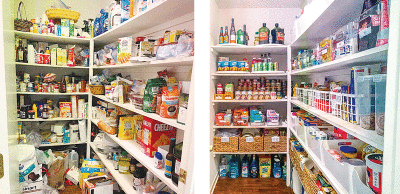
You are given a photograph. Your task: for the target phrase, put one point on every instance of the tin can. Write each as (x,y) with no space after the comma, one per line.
(51,87)
(276,66)
(265,66)
(22,86)
(56,88)
(45,87)
(39,58)
(69,88)
(30,87)
(238,95)
(40,87)
(249,95)
(73,88)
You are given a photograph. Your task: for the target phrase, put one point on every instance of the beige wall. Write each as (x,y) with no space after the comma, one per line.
(87,8)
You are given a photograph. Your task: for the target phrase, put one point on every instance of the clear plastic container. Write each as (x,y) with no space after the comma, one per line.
(73,159)
(380,95)
(366,101)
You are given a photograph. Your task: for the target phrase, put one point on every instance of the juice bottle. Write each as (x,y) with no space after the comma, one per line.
(240,37)
(226,36)
(256,39)
(233,33)
(264,34)
(221,36)
(254,65)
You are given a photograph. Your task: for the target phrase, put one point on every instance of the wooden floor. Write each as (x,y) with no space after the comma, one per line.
(253,186)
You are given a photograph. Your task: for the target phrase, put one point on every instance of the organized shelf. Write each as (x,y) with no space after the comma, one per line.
(248,101)
(266,74)
(172,62)
(250,50)
(250,126)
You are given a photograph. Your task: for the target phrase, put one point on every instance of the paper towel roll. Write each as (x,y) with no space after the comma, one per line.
(82,130)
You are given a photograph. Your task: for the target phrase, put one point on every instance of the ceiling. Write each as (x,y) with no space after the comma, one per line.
(229,4)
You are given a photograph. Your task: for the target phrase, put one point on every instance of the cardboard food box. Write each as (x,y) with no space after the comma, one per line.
(124,50)
(90,167)
(155,134)
(98,184)
(65,109)
(241,117)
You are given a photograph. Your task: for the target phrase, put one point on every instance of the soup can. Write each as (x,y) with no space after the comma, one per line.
(374,172)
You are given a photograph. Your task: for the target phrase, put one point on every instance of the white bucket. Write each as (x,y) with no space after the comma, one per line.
(374,172)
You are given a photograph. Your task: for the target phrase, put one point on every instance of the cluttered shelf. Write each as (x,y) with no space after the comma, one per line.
(124,180)
(128,106)
(183,61)
(49,120)
(51,38)
(50,93)
(61,144)
(368,136)
(157,14)
(249,101)
(50,66)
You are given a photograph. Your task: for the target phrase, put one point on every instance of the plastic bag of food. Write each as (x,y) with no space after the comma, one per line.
(165,52)
(34,138)
(50,77)
(107,128)
(184,46)
(126,128)
(71,57)
(169,104)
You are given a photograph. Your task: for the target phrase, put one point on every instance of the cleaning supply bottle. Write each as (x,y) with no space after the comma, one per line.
(34,108)
(245,167)
(234,168)
(254,167)
(73,159)
(284,172)
(223,168)
(277,171)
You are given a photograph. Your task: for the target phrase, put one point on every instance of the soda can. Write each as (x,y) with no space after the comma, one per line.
(265,66)
(56,88)
(276,66)
(45,87)
(51,88)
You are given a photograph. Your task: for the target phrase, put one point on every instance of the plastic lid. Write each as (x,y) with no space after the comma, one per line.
(276,24)
(158,155)
(124,153)
(348,149)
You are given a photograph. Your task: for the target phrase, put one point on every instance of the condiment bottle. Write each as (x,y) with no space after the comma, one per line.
(221,36)
(226,36)
(170,159)
(139,176)
(264,34)
(233,33)
(45,112)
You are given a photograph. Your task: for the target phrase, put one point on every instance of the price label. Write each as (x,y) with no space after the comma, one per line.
(249,139)
(275,139)
(224,139)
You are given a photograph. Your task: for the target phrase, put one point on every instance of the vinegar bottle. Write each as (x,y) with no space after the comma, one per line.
(233,33)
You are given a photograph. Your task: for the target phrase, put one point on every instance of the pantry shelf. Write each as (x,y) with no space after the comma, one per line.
(332,180)
(159,14)
(248,101)
(250,50)
(61,144)
(377,54)
(51,38)
(327,22)
(50,66)
(242,153)
(136,151)
(249,75)
(250,127)
(53,94)
(125,181)
(367,136)
(154,116)
(49,120)
(184,61)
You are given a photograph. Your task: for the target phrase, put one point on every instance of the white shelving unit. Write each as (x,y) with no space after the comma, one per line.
(249,50)
(51,38)
(248,101)
(184,61)
(50,66)
(60,144)
(53,94)
(53,119)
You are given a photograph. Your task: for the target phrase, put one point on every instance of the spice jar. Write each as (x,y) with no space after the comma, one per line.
(158,160)
(31,114)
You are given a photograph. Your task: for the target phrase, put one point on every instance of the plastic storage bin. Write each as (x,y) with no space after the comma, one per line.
(380,96)
(366,101)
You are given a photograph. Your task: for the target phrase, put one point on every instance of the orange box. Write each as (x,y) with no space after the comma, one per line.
(65,109)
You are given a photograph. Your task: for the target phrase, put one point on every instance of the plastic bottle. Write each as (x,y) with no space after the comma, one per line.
(245,167)
(240,36)
(277,171)
(256,39)
(226,36)
(223,168)
(254,168)
(234,168)
(73,159)
(264,34)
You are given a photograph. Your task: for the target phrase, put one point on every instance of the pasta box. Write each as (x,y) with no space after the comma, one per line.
(155,134)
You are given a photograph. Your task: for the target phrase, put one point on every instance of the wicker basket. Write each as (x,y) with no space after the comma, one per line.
(279,146)
(63,14)
(253,146)
(231,146)
(21,24)
(97,89)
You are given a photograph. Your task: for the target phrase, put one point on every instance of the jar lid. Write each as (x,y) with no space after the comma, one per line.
(348,149)
(158,155)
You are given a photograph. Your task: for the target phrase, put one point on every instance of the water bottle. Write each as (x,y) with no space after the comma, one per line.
(73,159)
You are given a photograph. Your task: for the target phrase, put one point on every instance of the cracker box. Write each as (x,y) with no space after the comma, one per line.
(155,134)
(65,109)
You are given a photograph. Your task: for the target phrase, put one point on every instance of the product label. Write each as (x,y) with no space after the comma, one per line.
(177,167)
(275,139)
(123,169)
(168,167)
(233,39)
(20,55)
(224,139)
(226,39)
(249,139)
(263,36)
(279,36)
(245,171)
(221,40)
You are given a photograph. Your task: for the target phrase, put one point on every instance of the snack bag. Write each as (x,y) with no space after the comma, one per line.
(265,166)
(169,104)
(126,128)
(150,94)
(138,130)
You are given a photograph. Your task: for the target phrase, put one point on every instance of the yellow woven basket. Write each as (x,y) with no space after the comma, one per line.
(97,89)
(63,14)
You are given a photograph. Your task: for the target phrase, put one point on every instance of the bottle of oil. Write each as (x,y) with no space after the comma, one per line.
(170,159)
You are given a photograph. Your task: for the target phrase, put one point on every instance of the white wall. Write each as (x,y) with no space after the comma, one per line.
(87,8)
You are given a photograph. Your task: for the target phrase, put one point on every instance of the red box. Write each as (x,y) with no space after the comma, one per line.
(155,134)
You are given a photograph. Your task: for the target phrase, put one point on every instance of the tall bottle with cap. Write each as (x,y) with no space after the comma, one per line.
(263,33)
(170,159)
(233,33)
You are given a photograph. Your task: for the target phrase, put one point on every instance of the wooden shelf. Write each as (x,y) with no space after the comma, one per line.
(60,144)
(51,38)
(250,50)
(53,94)
(49,66)
(367,136)
(154,116)
(377,54)
(159,14)
(125,181)
(184,61)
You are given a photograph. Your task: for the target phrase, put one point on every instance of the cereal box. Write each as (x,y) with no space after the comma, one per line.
(65,109)
(138,128)
(124,50)
(155,134)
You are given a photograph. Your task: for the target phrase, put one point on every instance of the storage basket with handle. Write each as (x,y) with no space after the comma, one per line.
(97,89)
(57,13)
(20,24)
